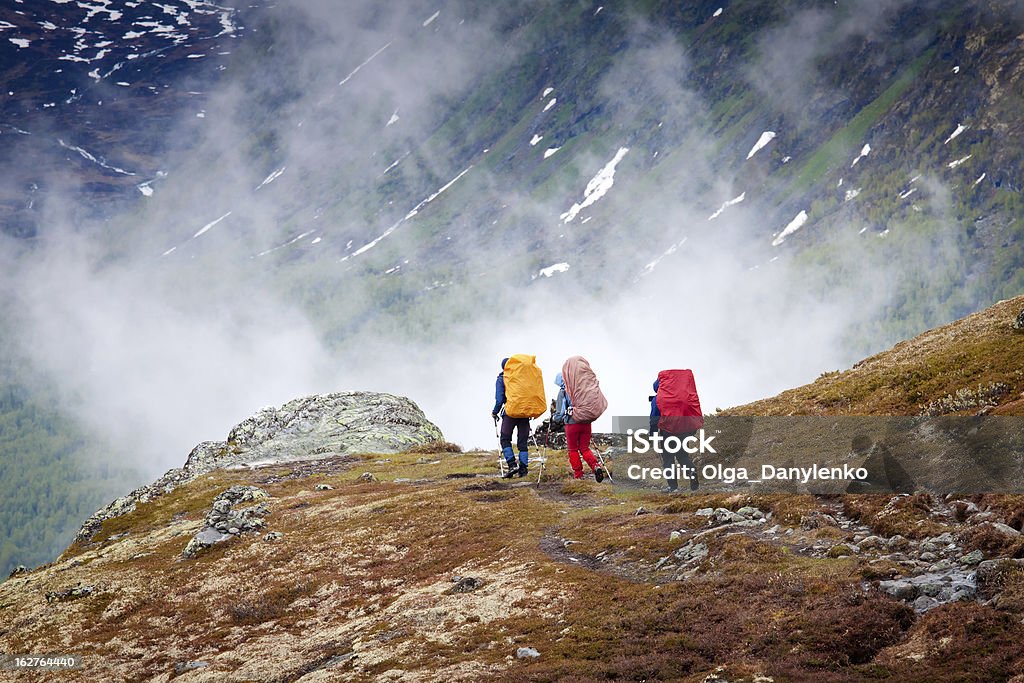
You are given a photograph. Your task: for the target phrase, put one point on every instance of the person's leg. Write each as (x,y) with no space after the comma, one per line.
(686,461)
(523,440)
(588,455)
(507,424)
(572,443)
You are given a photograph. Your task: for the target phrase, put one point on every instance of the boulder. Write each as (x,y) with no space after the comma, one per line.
(310,428)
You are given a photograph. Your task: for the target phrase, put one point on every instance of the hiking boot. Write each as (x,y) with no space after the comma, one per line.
(510,470)
(523,470)
(598,474)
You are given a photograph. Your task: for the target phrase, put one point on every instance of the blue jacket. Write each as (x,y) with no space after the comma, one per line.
(499,389)
(562,403)
(655,413)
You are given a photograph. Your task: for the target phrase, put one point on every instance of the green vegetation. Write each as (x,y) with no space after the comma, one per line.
(52,477)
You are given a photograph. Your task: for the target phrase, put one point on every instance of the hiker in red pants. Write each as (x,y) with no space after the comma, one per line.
(581,400)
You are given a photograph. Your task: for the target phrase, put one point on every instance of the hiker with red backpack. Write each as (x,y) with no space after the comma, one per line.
(581,400)
(675,411)
(518,398)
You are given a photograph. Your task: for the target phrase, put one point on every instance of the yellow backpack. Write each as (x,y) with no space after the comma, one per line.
(524,387)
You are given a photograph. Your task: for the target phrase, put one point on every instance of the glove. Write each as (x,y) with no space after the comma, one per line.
(494,416)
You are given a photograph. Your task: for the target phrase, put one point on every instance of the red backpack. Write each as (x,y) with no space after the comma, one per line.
(678,402)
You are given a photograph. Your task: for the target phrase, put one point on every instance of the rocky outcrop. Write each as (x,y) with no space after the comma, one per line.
(226,521)
(309,428)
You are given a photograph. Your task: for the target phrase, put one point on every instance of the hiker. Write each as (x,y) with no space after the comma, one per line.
(518,398)
(675,411)
(581,402)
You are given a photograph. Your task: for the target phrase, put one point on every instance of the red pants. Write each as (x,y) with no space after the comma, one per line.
(577,438)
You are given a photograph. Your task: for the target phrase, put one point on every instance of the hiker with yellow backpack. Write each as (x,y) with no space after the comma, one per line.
(518,398)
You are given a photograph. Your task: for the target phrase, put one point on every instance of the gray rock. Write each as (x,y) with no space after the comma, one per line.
(1005,528)
(367,476)
(527,653)
(871,543)
(273,536)
(723,516)
(182,667)
(923,603)
(324,487)
(20,569)
(465,584)
(308,428)
(972,558)
(224,522)
(898,542)
(928,557)
(640,511)
(674,536)
(705,512)
(816,520)
(899,589)
(1018,322)
(941,566)
(67,594)
(943,539)
(691,552)
(750,512)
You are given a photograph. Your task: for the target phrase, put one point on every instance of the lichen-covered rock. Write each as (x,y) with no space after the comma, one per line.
(308,428)
(1018,323)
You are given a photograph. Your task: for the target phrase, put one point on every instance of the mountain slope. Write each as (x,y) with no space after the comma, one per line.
(423,566)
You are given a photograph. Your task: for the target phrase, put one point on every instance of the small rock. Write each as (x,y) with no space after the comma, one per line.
(182,667)
(972,558)
(871,543)
(674,536)
(750,512)
(943,539)
(898,542)
(816,520)
(692,552)
(527,653)
(234,531)
(1018,323)
(705,512)
(941,566)
(724,516)
(899,589)
(928,557)
(273,536)
(20,569)
(1005,528)
(465,584)
(73,593)
(660,563)
(366,476)
(923,603)
(640,511)
(324,487)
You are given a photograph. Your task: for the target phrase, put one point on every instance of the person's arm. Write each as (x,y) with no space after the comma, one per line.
(499,394)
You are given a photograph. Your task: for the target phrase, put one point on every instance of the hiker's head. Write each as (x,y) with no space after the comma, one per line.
(559,382)
(503,361)
(656,383)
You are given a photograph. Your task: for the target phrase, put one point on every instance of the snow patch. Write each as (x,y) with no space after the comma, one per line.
(952,136)
(765,138)
(597,187)
(367,61)
(209,225)
(864,151)
(794,225)
(550,150)
(907,193)
(430,20)
(718,12)
(536,139)
(22,43)
(272,177)
(551,270)
(954,164)
(726,205)
(393,119)
(550,104)
(90,157)
(980,178)
(547,91)
(851,194)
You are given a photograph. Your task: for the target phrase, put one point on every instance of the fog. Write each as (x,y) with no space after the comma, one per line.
(160,334)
